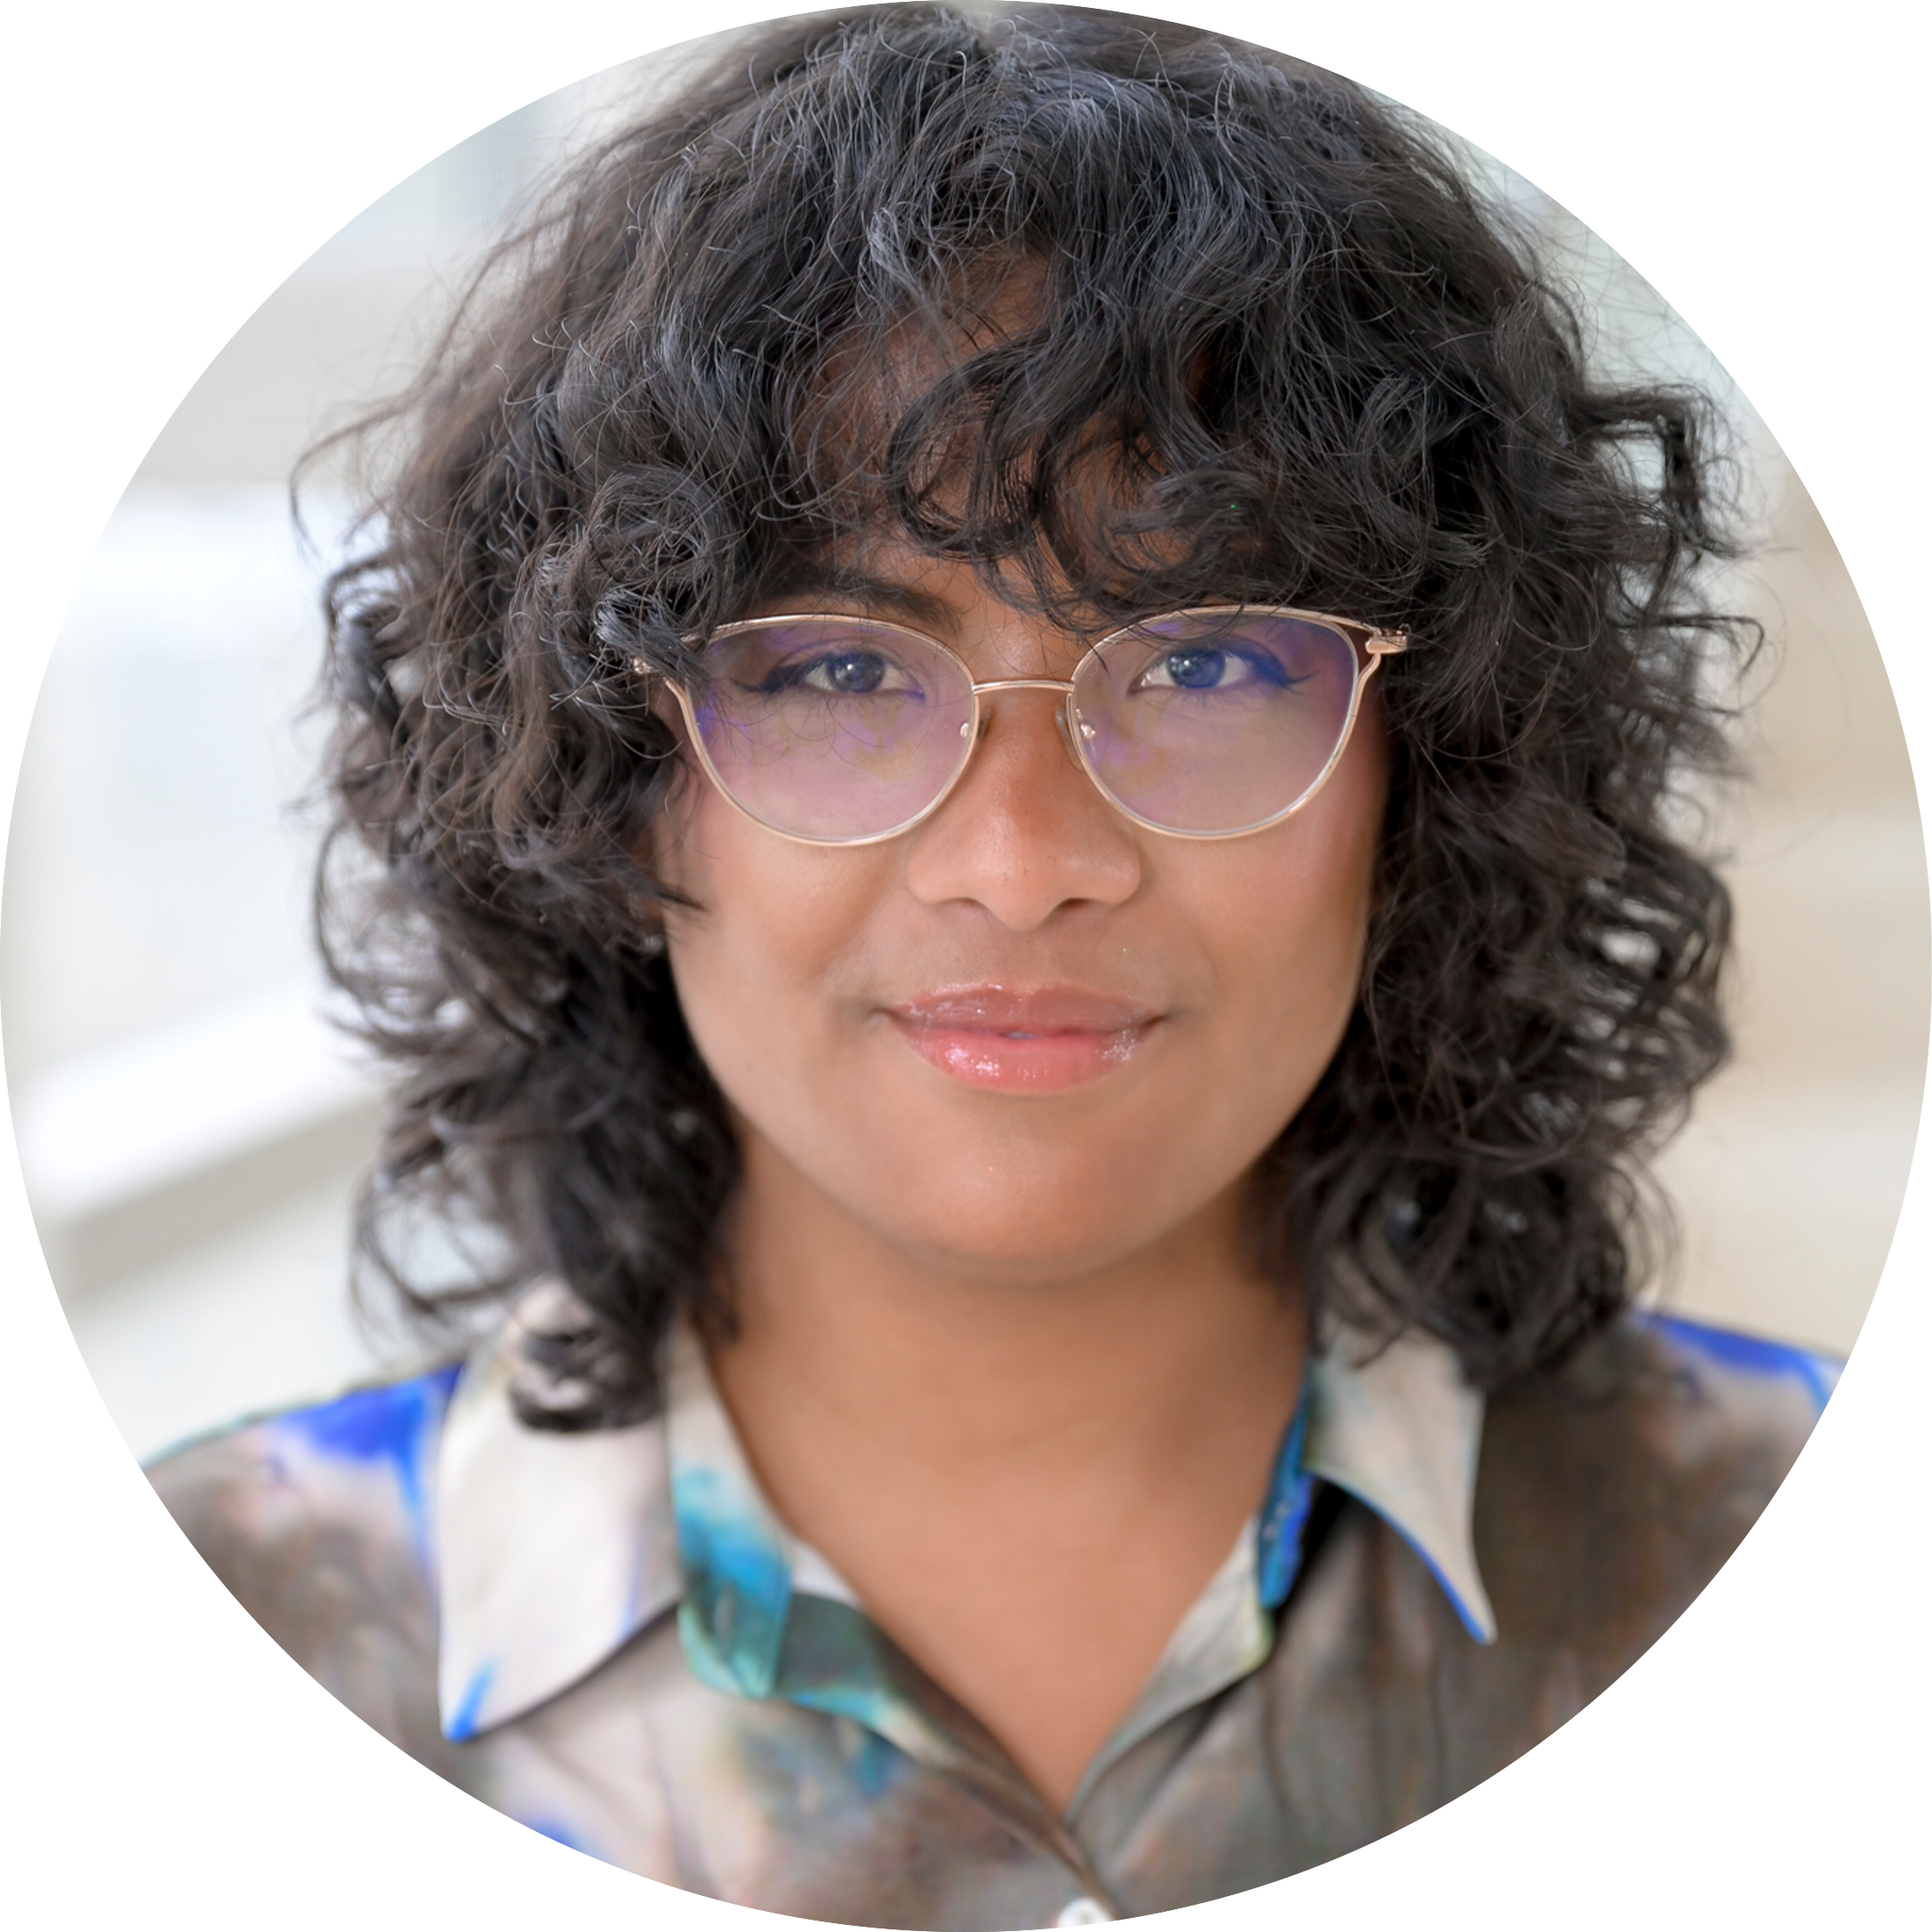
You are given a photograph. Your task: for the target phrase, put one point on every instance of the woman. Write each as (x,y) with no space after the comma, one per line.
(1019,707)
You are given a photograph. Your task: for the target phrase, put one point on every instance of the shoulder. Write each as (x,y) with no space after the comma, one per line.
(318,1519)
(273,1492)
(1612,1491)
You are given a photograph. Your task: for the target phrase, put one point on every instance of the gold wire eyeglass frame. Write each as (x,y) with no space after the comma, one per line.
(1369,645)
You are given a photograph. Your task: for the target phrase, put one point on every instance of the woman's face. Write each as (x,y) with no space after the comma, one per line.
(1027,1039)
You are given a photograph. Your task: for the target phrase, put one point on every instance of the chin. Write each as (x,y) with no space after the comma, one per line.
(1021,1247)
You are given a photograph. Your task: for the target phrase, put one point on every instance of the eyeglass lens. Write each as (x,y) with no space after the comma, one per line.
(1203,722)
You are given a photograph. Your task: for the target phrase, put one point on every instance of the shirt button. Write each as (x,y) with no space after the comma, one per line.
(1085,1911)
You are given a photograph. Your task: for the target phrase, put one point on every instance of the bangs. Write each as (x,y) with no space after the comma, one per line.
(952,429)
(1119,319)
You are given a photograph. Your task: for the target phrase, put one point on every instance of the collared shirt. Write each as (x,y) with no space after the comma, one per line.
(611,1636)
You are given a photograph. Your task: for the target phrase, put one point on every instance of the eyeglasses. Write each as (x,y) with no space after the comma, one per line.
(1209,722)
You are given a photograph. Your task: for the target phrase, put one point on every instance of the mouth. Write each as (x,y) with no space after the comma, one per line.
(1042,1041)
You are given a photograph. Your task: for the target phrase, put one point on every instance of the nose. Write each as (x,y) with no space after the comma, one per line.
(1025,832)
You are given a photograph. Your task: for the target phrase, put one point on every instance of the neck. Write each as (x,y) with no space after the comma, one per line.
(1083,1439)
(942,1359)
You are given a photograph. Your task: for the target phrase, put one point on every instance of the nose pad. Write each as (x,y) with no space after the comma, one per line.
(1060,719)
(1063,716)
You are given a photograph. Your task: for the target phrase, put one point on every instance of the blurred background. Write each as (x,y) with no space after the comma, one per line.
(191,1128)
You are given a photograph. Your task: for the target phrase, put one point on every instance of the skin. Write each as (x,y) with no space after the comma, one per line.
(1001,1356)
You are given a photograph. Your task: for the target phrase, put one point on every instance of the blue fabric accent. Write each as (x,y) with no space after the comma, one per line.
(395,1422)
(1465,1615)
(875,1763)
(707,1663)
(837,1660)
(462,1724)
(1750,1354)
(737,1586)
(1285,1515)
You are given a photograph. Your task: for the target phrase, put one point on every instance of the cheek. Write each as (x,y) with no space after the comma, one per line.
(1284,919)
(1286,959)
(769,922)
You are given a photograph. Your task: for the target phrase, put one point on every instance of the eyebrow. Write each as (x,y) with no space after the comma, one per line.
(872,595)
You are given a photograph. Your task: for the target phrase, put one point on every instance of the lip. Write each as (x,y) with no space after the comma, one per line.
(1039,1040)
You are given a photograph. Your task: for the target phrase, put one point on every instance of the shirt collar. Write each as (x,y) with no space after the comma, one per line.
(554,1550)
(1399,1428)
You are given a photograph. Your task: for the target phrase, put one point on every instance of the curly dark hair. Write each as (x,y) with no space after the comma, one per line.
(1316,365)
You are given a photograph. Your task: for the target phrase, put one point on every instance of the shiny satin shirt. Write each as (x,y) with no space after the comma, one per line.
(612,1637)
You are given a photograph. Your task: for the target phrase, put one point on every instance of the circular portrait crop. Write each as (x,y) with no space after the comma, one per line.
(1039,846)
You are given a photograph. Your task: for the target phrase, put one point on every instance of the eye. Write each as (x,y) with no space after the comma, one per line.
(1214,667)
(846,672)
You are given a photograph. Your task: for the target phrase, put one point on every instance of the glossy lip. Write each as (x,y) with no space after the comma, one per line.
(1038,1041)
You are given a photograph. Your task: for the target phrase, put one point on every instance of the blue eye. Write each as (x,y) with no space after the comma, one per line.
(1212,667)
(837,673)
(852,671)
(1196,670)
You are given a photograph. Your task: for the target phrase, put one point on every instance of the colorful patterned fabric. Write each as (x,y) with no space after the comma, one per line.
(612,1637)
